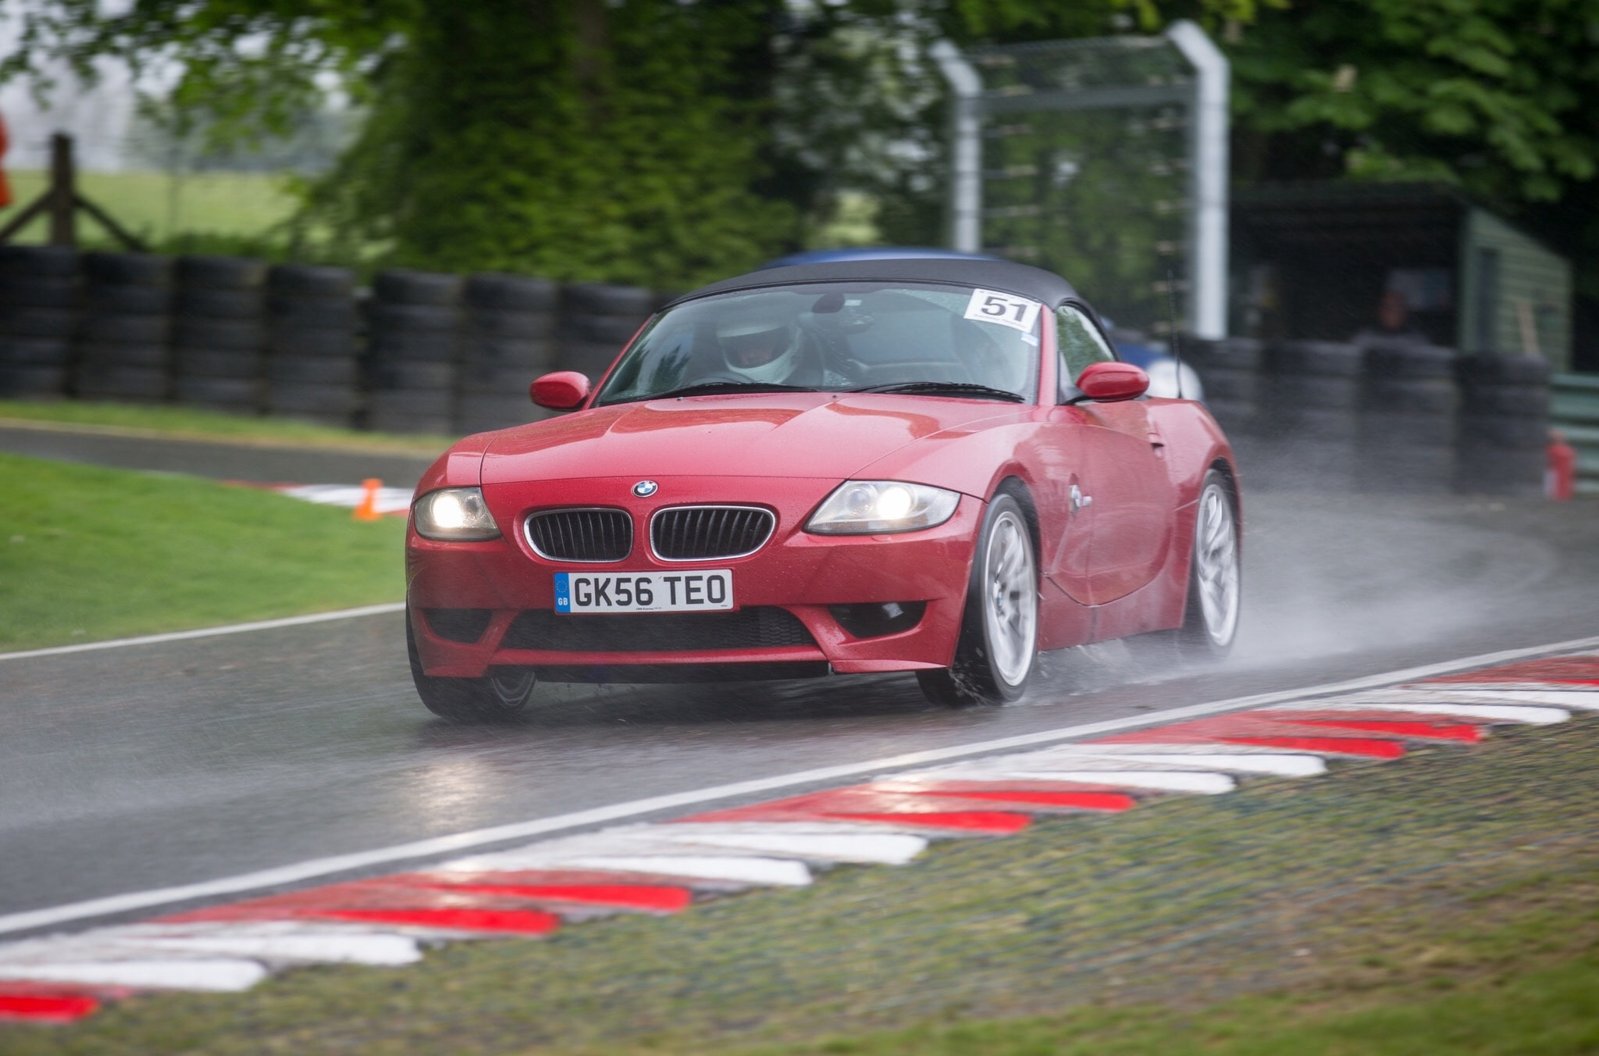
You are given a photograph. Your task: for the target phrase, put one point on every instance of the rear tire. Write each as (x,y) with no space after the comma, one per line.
(997,652)
(1214,575)
(470,701)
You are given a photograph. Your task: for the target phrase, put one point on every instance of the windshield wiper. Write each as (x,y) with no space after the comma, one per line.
(948,388)
(704,388)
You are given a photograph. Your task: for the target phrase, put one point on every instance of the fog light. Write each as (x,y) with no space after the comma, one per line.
(878,619)
(458,625)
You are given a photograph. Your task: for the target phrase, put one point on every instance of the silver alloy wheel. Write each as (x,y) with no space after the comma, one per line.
(1010,598)
(1216,564)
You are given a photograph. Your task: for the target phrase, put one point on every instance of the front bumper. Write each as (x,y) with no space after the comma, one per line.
(466,598)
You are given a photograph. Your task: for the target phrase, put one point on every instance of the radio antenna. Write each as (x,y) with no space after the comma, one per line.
(1176,340)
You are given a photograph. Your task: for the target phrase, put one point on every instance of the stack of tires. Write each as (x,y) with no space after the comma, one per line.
(1407,417)
(413,333)
(1504,425)
(1309,421)
(313,368)
(596,321)
(219,333)
(1230,370)
(125,338)
(38,316)
(508,339)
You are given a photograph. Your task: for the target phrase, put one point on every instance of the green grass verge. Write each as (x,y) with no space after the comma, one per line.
(158,206)
(1444,903)
(90,554)
(185,422)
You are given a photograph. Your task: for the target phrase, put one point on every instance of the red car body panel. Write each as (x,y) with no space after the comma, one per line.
(1113,566)
(802,434)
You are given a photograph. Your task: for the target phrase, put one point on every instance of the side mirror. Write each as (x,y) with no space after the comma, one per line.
(560,391)
(1112,382)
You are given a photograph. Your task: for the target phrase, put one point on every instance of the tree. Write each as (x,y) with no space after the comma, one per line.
(576,140)
(1492,96)
(663,142)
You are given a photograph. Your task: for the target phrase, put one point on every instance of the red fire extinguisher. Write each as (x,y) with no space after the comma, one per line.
(1560,476)
(5,186)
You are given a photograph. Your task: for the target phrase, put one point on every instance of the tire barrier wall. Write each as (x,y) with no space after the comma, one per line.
(424,352)
(417,352)
(596,320)
(1308,425)
(413,336)
(219,333)
(313,350)
(510,326)
(1407,418)
(1385,416)
(123,345)
(40,300)
(1504,425)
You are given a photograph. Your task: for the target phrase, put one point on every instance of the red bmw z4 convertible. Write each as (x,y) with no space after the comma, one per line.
(924,465)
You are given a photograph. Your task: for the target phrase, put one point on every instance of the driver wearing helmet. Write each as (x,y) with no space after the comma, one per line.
(759,348)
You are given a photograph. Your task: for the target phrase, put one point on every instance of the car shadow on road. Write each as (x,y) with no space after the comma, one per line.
(881,701)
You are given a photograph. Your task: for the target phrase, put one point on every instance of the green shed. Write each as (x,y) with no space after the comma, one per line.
(1316,260)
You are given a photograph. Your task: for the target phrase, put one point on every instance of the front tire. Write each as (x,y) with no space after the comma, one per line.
(1210,622)
(998,647)
(470,701)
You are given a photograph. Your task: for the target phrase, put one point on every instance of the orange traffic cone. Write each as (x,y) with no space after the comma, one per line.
(367,510)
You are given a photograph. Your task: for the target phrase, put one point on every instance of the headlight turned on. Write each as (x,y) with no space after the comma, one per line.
(455,515)
(871,507)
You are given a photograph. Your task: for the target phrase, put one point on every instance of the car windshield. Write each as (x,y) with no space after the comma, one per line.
(938,340)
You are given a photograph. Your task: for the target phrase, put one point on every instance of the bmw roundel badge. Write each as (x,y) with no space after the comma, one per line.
(645,488)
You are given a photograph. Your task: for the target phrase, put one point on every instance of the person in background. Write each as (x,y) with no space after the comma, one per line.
(1393,322)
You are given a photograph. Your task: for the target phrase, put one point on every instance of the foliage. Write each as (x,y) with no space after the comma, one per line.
(248,67)
(662,142)
(1492,96)
(575,140)
(579,142)
(166,137)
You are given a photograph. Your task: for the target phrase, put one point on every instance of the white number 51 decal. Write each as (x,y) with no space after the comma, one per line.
(988,306)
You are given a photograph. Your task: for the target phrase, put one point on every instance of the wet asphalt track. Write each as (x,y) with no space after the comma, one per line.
(155,765)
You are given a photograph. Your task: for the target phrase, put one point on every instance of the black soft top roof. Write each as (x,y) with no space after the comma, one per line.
(1000,275)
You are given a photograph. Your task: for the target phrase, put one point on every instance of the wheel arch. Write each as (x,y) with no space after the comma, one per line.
(1013,485)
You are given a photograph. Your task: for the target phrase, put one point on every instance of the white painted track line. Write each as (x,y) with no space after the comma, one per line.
(1191,757)
(773,842)
(211,632)
(1581,699)
(275,940)
(681,862)
(1197,782)
(1536,716)
(216,975)
(458,843)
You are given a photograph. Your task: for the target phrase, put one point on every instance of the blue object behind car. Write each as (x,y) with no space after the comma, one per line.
(843,253)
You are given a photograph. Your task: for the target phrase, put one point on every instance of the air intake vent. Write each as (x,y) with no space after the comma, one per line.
(710,533)
(581,535)
(759,627)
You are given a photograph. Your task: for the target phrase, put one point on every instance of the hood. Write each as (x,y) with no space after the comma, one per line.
(780,434)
